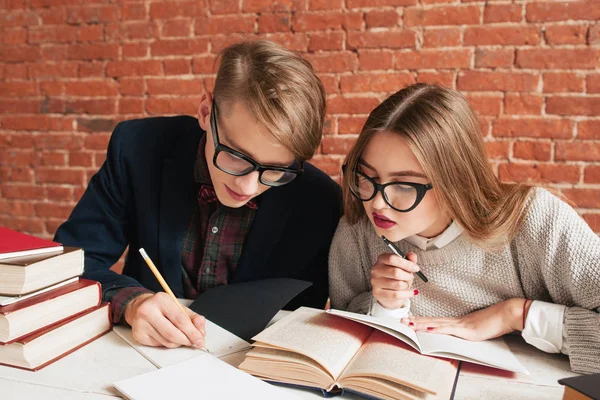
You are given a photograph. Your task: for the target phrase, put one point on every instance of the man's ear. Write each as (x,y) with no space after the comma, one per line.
(204,110)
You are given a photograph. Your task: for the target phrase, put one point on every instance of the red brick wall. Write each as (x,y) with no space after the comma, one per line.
(70,69)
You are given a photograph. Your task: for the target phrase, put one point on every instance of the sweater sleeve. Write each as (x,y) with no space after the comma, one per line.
(559,257)
(349,276)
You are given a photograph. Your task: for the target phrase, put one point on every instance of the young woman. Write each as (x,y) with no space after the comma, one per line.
(498,257)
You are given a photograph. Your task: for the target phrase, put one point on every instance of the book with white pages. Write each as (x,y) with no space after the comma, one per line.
(219,343)
(7,300)
(203,376)
(492,353)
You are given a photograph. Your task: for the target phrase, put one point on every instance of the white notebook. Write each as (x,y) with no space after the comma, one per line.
(204,377)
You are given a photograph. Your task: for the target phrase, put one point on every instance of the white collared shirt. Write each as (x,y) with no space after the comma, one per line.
(544,327)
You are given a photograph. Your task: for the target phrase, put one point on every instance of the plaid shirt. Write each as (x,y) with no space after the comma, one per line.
(212,245)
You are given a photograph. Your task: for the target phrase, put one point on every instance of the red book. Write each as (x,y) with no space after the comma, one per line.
(54,342)
(17,244)
(36,312)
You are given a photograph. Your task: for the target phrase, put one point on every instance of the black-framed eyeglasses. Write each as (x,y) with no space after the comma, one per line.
(401,196)
(235,163)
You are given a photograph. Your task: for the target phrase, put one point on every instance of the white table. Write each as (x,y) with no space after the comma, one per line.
(89,372)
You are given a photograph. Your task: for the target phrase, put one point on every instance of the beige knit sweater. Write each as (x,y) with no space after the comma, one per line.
(555,257)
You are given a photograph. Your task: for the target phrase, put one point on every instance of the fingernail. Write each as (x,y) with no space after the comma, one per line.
(411,323)
(416,292)
(429,328)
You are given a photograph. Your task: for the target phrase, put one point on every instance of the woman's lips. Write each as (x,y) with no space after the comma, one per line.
(382,222)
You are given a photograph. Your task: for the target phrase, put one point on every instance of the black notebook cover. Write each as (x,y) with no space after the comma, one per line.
(588,385)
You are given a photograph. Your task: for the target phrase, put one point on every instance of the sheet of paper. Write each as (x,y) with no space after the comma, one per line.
(245,309)
(219,343)
(204,377)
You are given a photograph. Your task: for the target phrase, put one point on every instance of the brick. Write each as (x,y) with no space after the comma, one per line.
(593,83)
(591,174)
(177,67)
(523,104)
(95,124)
(330,83)
(93,51)
(19,53)
(532,150)
(486,104)
(135,50)
(533,127)
(58,141)
(278,22)
(204,65)
(319,21)
(18,18)
(179,47)
(558,58)
(96,106)
(15,71)
(135,30)
(496,58)
(91,88)
(331,166)
(292,41)
(15,36)
(81,159)
(174,86)
(350,125)
(381,19)
(325,4)
(557,82)
(575,105)
(440,78)
(593,220)
(481,81)
(23,225)
(539,173)
(331,40)
(352,105)
(445,15)
(225,25)
(52,34)
(97,141)
(594,34)
(378,3)
(58,175)
(173,9)
(55,193)
(254,6)
(92,69)
(337,144)
(577,151)
(131,105)
(53,158)
(20,89)
(90,33)
(563,11)
(441,37)
(53,16)
(92,15)
(583,198)
(501,35)
(157,106)
(29,123)
(133,11)
(134,68)
(497,150)
(502,13)
(566,34)
(27,192)
(376,82)
(19,208)
(224,6)
(333,62)
(588,129)
(177,28)
(19,106)
(375,60)
(433,59)
(53,210)
(17,157)
(377,40)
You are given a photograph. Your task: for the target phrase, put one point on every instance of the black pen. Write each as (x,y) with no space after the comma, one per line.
(399,253)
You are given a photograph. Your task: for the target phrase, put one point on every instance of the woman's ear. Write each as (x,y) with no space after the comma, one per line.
(204,110)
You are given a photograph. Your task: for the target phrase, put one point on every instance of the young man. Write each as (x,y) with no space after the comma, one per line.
(224,198)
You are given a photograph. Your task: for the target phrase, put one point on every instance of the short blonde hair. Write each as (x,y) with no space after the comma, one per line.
(279,87)
(444,134)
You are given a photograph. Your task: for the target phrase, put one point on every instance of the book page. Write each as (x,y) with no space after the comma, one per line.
(493,352)
(329,340)
(382,356)
(390,326)
(203,377)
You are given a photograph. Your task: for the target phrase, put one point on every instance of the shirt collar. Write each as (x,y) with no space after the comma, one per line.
(452,232)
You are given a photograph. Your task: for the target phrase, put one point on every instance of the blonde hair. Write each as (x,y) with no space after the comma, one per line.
(444,134)
(280,89)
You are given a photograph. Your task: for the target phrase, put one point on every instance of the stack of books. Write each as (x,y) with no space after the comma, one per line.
(46,310)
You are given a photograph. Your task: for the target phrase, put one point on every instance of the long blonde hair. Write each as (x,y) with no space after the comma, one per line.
(280,89)
(444,134)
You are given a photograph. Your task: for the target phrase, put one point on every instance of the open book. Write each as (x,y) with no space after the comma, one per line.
(312,348)
(492,353)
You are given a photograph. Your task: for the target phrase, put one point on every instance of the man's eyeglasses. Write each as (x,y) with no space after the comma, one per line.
(401,196)
(235,163)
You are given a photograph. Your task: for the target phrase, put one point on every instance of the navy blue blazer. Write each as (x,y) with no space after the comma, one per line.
(144,194)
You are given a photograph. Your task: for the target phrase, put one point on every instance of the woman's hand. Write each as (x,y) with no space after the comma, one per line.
(392,278)
(489,323)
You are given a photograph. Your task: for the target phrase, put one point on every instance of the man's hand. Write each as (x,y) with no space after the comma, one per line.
(156,320)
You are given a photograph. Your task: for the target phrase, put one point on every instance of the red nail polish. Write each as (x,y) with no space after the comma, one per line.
(411,323)
(429,328)
(416,292)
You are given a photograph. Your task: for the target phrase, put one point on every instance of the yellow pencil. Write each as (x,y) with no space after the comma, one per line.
(163,283)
